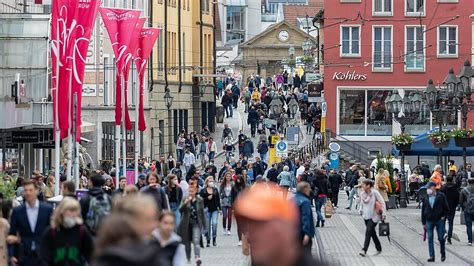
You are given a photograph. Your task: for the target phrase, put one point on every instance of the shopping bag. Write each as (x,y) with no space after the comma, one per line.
(328,209)
(384,229)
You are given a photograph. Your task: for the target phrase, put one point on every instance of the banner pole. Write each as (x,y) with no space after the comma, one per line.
(137,136)
(57,141)
(69,139)
(124,133)
(75,142)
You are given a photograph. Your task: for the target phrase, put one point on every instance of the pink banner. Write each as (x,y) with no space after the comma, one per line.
(120,23)
(147,40)
(63,36)
(128,62)
(87,14)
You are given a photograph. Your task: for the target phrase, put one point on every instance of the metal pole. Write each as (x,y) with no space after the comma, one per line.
(403,190)
(57,141)
(137,133)
(69,139)
(124,134)
(76,143)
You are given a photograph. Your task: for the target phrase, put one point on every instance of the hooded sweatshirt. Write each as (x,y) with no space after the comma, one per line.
(451,192)
(172,249)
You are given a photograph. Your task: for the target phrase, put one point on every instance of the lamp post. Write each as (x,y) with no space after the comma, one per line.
(168,99)
(409,106)
(454,96)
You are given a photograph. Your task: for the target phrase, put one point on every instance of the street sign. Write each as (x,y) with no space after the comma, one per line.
(334,160)
(292,133)
(282,148)
(324,108)
(25,137)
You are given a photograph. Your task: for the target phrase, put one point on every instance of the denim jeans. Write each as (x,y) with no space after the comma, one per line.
(195,231)
(211,155)
(351,197)
(180,155)
(468,218)
(440,230)
(370,233)
(263,156)
(320,201)
(203,156)
(175,209)
(227,217)
(211,224)
(228,110)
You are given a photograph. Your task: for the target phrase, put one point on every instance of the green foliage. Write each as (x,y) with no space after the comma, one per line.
(7,188)
(462,133)
(439,137)
(402,139)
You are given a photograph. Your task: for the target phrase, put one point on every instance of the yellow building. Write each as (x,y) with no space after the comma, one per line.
(184,49)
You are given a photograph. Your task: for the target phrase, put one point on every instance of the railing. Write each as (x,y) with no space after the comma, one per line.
(358,152)
(6,8)
(312,150)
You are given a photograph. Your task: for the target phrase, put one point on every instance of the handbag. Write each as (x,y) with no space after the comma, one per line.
(328,209)
(384,229)
(378,208)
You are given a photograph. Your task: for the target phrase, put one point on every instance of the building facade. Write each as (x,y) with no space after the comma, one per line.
(384,46)
(181,59)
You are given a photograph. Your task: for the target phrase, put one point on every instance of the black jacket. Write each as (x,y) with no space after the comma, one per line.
(252,117)
(259,168)
(335,180)
(226,100)
(452,195)
(272,175)
(85,201)
(212,204)
(69,240)
(136,254)
(322,184)
(440,209)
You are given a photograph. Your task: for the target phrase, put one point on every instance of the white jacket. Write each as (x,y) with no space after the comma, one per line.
(189,159)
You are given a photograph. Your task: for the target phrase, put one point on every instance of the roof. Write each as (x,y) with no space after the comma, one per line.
(292,12)
(270,29)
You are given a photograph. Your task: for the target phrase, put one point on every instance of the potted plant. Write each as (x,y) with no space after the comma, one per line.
(463,137)
(440,139)
(308,59)
(386,163)
(402,142)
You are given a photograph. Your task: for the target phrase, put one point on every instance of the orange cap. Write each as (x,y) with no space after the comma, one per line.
(265,202)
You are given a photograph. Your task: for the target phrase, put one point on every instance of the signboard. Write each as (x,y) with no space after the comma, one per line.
(315,92)
(282,148)
(46,145)
(324,108)
(25,137)
(292,135)
(334,160)
(89,90)
(353,76)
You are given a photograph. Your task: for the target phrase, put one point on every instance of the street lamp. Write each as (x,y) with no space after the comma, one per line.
(293,107)
(307,46)
(275,106)
(168,99)
(291,51)
(410,107)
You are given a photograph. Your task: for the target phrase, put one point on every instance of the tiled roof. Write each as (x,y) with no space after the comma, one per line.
(292,12)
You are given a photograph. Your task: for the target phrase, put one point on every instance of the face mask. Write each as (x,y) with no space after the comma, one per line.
(69,222)
(211,184)
(429,191)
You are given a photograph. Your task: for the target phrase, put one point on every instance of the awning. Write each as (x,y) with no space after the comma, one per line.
(87,127)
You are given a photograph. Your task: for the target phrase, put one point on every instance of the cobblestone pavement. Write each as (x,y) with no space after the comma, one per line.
(342,238)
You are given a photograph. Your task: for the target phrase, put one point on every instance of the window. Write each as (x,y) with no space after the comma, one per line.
(422,121)
(379,123)
(415,7)
(205,6)
(414,48)
(382,48)
(235,26)
(352,113)
(382,7)
(108,140)
(350,40)
(447,41)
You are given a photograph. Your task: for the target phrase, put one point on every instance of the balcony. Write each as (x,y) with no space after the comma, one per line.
(33,114)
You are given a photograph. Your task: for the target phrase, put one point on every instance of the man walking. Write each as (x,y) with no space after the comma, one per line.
(306,226)
(450,190)
(335,180)
(226,102)
(466,200)
(227,132)
(434,212)
(252,120)
(29,221)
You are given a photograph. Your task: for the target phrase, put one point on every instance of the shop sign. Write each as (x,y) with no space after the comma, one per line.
(25,137)
(349,76)
(315,92)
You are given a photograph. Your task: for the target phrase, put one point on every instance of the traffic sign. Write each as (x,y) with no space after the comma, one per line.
(282,148)
(324,108)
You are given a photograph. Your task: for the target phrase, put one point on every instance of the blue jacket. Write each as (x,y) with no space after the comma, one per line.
(306,215)
(19,225)
(285,179)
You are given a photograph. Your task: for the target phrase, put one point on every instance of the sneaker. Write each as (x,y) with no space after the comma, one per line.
(347,208)
(449,241)
(431,259)
(322,223)
(228,232)
(469,243)
(443,258)
(378,252)
(198,261)
(363,253)
(239,244)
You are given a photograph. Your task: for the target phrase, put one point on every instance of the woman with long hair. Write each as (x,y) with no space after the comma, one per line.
(212,204)
(175,195)
(192,222)
(67,241)
(237,189)
(226,202)
(380,184)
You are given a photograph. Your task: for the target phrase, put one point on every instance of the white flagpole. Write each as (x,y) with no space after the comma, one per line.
(137,133)
(76,143)
(69,138)
(57,141)
(124,133)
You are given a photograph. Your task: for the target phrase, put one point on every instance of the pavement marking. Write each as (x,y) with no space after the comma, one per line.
(376,260)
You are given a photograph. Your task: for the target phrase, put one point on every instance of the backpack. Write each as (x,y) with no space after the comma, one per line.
(99,207)
(469,208)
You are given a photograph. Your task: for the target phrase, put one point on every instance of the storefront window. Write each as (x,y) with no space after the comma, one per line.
(352,113)
(422,122)
(379,123)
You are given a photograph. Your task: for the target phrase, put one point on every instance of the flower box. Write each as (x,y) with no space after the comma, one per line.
(441,145)
(464,142)
(403,147)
